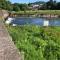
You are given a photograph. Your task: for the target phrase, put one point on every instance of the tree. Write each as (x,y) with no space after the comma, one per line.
(9,6)
(23,6)
(51,4)
(16,7)
(51,1)
(5,5)
(58,5)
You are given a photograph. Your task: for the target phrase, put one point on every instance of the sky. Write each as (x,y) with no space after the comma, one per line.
(28,1)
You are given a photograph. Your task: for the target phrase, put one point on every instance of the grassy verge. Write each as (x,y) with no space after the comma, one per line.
(37,43)
(57,12)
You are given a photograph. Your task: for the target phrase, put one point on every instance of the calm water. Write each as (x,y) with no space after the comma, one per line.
(36,21)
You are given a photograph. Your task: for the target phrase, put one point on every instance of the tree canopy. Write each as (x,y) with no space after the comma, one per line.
(7,5)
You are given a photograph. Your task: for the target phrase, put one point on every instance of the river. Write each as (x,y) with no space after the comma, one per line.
(36,21)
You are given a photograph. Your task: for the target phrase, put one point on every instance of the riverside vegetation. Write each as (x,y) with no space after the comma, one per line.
(37,43)
(37,12)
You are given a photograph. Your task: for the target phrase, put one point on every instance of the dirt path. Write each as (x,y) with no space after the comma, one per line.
(8,50)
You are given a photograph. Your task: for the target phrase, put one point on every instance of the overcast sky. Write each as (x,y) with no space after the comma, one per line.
(27,1)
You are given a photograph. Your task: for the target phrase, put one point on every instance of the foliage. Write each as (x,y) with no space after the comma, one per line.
(42,12)
(15,7)
(6,5)
(50,5)
(37,43)
(18,7)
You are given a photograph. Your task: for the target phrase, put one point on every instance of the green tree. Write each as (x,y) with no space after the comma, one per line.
(16,8)
(58,5)
(5,5)
(9,6)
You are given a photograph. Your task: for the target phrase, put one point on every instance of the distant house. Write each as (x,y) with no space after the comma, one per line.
(35,6)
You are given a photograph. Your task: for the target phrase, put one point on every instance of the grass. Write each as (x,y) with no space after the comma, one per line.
(37,43)
(57,12)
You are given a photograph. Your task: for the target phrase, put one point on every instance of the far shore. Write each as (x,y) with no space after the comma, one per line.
(37,13)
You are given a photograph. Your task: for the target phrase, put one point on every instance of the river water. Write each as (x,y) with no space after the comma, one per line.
(36,21)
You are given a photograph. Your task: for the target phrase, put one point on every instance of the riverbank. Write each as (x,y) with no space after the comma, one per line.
(36,41)
(38,13)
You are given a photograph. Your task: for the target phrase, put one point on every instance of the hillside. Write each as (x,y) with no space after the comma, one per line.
(38,2)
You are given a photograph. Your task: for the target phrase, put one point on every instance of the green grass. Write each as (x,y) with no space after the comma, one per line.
(57,12)
(37,43)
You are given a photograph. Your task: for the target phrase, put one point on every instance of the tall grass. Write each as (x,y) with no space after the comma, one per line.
(37,43)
